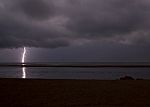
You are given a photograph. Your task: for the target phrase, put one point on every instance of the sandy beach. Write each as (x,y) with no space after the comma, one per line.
(74,93)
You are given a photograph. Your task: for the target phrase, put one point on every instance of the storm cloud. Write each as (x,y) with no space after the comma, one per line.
(37,9)
(60,23)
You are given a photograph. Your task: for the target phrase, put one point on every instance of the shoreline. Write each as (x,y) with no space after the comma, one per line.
(74,93)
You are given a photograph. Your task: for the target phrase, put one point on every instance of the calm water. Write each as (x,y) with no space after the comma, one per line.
(73,73)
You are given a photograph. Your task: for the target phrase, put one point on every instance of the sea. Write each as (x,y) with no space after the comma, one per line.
(69,72)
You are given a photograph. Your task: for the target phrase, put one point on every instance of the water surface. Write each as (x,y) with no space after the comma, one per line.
(73,73)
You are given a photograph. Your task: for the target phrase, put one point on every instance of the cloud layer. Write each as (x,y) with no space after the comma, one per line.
(59,23)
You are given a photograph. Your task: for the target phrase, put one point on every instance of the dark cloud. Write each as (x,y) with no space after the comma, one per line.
(57,23)
(37,9)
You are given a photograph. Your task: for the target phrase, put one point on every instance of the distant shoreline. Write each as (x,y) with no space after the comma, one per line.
(121,65)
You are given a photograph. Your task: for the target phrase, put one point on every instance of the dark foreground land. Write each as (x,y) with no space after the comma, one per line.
(74,93)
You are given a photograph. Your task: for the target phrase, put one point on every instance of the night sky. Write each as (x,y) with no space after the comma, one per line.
(75,30)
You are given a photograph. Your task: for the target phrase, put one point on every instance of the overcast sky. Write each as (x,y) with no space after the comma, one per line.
(75,30)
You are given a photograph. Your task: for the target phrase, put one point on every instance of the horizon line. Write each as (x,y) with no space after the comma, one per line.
(100,65)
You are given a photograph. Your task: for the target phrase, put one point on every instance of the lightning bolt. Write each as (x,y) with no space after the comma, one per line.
(24,55)
(23,61)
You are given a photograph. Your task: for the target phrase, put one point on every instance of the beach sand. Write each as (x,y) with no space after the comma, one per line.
(74,93)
